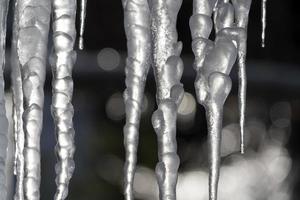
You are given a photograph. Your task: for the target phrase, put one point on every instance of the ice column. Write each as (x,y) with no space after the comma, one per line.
(31,29)
(168,69)
(63,59)
(137,27)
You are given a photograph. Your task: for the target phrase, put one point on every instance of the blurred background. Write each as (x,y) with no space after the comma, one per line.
(268,171)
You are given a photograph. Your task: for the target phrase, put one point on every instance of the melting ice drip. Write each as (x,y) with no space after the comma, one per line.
(29,52)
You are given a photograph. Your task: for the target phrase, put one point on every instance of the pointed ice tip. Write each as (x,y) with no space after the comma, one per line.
(242,149)
(81,43)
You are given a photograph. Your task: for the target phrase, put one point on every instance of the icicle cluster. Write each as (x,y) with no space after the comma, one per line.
(143,22)
(30,49)
(64,36)
(137,27)
(29,58)
(213,63)
(3,119)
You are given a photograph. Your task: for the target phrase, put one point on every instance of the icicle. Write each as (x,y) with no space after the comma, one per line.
(3,120)
(213,63)
(168,69)
(263,21)
(82,23)
(64,36)
(137,27)
(242,8)
(17,109)
(30,49)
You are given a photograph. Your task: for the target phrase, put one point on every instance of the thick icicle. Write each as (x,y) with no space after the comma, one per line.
(82,23)
(3,120)
(213,63)
(242,8)
(263,21)
(137,27)
(30,49)
(64,36)
(168,68)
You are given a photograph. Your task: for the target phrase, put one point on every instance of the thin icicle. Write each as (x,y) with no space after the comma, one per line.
(3,120)
(137,27)
(30,49)
(17,108)
(168,69)
(82,23)
(263,21)
(64,36)
(242,8)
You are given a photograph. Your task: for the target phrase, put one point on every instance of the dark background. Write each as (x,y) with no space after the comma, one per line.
(273,76)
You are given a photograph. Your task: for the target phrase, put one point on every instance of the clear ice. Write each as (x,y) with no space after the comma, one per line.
(63,59)
(137,28)
(213,63)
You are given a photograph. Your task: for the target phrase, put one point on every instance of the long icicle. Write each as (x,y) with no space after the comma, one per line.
(242,8)
(17,108)
(137,27)
(32,27)
(168,68)
(64,36)
(263,21)
(213,63)
(3,120)
(83,5)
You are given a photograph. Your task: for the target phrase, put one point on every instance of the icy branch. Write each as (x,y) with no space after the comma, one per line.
(64,36)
